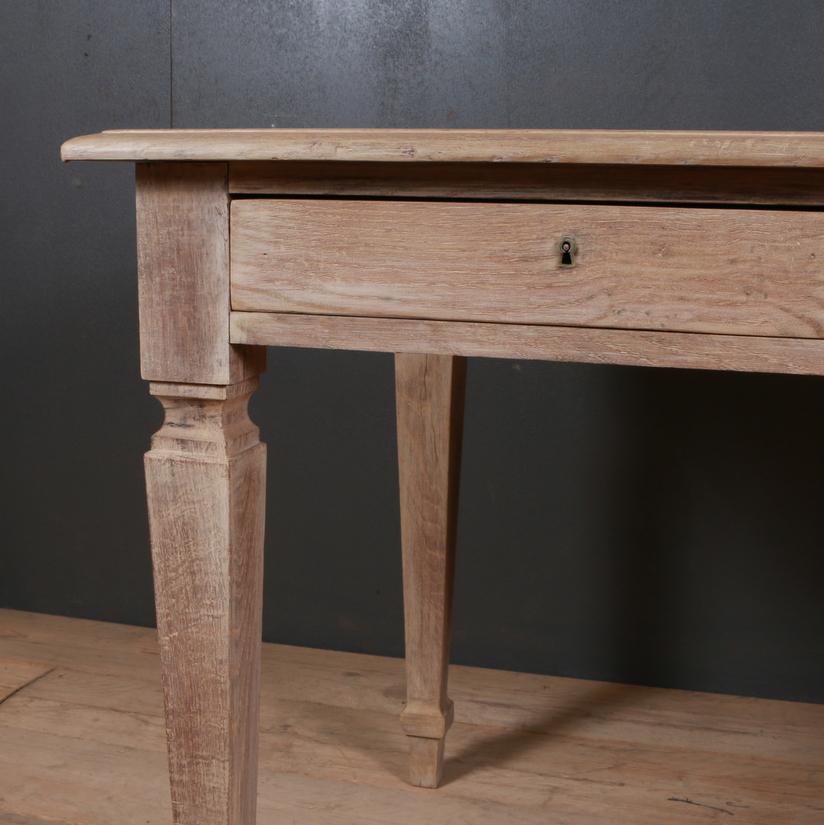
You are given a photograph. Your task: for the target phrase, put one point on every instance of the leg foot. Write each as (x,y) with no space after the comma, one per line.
(425,761)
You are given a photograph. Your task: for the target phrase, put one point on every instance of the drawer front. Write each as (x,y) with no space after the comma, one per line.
(736,271)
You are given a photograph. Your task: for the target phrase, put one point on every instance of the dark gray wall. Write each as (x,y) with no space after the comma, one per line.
(639,525)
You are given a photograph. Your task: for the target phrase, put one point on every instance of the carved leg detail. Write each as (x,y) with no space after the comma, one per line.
(429,397)
(205,480)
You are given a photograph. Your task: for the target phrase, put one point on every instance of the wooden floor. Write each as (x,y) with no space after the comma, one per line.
(82,743)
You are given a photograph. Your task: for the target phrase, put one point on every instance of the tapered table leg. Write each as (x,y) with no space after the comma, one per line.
(205,477)
(429,398)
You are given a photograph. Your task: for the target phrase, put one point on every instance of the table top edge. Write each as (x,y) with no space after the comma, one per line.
(559,146)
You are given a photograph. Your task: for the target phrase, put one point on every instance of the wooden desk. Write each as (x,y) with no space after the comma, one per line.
(679,249)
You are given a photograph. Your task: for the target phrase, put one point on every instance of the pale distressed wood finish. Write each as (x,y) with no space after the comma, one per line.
(472,267)
(746,272)
(685,350)
(529,181)
(183,276)
(205,478)
(429,391)
(678,148)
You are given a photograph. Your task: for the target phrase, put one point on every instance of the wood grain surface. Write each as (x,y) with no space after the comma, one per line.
(205,479)
(84,744)
(432,281)
(730,271)
(588,346)
(805,149)
(429,393)
(183,276)
(530,181)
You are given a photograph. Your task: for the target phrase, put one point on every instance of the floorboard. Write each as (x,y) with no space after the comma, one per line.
(82,742)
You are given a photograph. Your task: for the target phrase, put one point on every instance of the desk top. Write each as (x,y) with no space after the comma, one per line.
(562,146)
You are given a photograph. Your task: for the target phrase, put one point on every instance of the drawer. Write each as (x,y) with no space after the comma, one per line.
(737,271)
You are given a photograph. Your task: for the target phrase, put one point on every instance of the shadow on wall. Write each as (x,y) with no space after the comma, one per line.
(649,526)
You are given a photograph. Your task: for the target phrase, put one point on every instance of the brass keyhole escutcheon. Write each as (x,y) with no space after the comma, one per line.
(568,250)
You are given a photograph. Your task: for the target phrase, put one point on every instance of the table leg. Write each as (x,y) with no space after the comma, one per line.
(205,479)
(429,398)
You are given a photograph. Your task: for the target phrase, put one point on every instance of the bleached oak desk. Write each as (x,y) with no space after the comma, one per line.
(678,249)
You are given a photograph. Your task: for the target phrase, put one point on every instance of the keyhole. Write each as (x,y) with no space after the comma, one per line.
(567,252)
